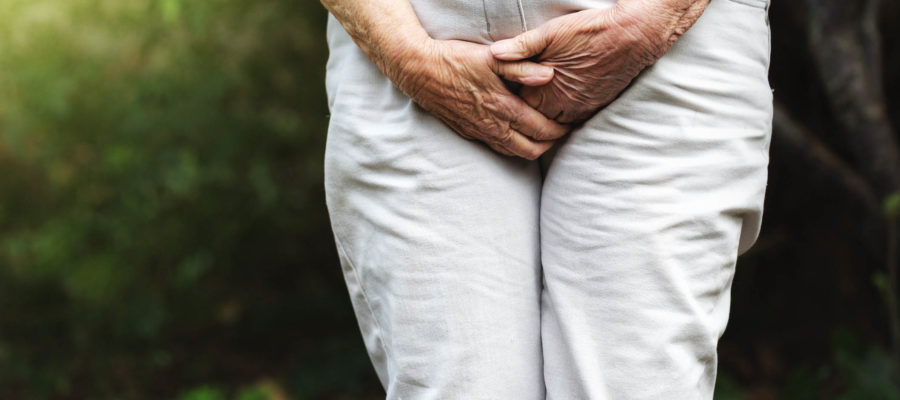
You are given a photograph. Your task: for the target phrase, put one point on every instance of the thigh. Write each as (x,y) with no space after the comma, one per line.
(645,210)
(438,239)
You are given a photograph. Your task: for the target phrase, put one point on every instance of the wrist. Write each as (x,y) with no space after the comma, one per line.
(658,23)
(405,53)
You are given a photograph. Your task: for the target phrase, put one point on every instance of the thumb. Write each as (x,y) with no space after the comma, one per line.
(526,45)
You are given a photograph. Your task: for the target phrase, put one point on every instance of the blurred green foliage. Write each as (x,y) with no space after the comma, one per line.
(856,371)
(161,217)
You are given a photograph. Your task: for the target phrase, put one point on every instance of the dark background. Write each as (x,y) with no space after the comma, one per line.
(163,232)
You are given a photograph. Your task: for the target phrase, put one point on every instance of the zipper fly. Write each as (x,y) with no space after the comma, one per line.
(504,18)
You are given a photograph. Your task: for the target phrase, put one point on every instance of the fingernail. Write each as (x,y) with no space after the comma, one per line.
(503,48)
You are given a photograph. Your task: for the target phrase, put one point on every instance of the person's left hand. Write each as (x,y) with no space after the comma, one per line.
(597,53)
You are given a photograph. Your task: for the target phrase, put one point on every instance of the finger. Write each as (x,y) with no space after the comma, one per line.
(525,72)
(526,45)
(532,123)
(523,146)
(500,149)
(533,97)
(538,100)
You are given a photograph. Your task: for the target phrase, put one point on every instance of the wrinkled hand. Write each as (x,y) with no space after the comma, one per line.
(597,53)
(460,83)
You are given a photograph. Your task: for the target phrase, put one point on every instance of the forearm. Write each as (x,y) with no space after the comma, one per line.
(387,31)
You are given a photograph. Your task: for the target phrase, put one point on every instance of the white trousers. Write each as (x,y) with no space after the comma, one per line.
(602,272)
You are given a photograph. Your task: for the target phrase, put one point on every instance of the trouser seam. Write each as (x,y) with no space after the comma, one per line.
(522,15)
(487,20)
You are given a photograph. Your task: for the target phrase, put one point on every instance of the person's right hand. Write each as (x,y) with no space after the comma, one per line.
(460,83)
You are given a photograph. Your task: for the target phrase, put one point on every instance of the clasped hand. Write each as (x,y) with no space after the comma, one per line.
(567,70)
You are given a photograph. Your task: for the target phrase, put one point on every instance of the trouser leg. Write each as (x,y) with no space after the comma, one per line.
(438,240)
(644,212)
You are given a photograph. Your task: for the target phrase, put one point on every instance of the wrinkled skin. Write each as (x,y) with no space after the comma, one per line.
(597,53)
(462,84)
(594,53)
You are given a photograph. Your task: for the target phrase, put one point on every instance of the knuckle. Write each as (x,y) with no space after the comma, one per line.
(532,154)
(505,137)
(493,132)
(558,132)
(516,69)
(522,41)
(516,117)
(540,133)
